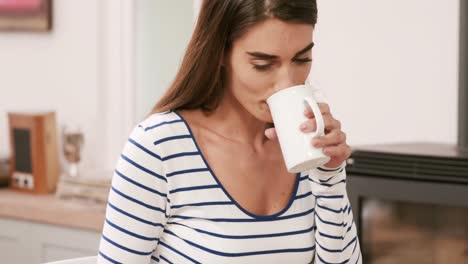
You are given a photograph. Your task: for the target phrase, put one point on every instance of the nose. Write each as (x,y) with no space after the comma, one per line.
(286,78)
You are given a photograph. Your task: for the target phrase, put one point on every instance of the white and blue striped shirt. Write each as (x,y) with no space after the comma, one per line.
(167,206)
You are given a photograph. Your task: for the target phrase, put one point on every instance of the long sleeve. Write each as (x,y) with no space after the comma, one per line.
(336,237)
(137,205)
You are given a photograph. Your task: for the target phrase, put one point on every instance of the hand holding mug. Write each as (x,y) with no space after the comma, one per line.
(334,142)
(308,134)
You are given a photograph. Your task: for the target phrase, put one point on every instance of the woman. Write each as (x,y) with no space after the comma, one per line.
(202,179)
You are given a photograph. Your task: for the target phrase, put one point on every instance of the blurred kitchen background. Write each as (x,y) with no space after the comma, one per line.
(389,69)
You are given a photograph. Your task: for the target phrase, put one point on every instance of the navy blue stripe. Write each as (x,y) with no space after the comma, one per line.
(242,254)
(132,216)
(339,237)
(140,185)
(165,259)
(171,138)
(155,258)
(186,171)
(321,259)
(185,189)
(131,233)
(332,210)
(247,220)
(138,202)
(327,180)
(327,184)
(354,240)
(327,169)
(108,258)
(304,178)
(330,223)
(143,168)
(183,154)
(354,249)
(359,256)
(249,236)
(202,204)
(303,195)
(126,248)
(163,123)
(330,236)
(329,196)
(144,149)
(178,252)
(336,250)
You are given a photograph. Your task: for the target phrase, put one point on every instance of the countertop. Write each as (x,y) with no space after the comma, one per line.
(48,209)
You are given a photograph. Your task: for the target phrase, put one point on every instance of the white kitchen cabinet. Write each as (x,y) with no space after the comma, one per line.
(24,242)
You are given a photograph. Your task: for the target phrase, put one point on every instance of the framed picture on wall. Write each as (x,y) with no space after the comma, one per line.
(25,15)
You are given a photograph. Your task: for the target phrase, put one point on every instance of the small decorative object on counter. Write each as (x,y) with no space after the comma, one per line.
(34,158)
(73,140)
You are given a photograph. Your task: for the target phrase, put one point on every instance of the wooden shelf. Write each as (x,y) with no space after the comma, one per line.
(46,208)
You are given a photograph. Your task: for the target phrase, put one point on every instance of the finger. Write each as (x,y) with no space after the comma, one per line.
(335,137)
(270,133)
(341,151)
(324,109)
(329,122)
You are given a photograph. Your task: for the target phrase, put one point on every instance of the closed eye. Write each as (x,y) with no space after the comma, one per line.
(302,60)
(262,67)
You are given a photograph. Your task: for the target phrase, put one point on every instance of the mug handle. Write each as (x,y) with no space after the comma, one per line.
(320,131)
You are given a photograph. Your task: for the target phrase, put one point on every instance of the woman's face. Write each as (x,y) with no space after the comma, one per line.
(270,56)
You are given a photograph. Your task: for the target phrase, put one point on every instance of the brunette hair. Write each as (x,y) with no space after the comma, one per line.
(199,83)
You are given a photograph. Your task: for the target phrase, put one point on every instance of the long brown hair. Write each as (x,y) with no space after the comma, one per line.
(200,81)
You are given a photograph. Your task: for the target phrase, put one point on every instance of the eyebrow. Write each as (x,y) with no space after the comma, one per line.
(264,56)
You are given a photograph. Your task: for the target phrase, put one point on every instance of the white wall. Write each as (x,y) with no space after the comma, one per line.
(75,70)
(56,70)
(389,68)
(163,30)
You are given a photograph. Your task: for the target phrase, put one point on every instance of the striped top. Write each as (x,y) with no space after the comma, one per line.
(167,206)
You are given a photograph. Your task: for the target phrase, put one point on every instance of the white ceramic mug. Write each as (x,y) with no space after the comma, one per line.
(287,109)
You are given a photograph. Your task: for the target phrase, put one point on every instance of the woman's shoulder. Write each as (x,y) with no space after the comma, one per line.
(160,125)
(159,119)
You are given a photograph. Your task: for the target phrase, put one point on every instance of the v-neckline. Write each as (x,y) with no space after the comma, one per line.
(213,175)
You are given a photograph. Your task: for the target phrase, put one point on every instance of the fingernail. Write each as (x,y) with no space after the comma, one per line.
(303,127)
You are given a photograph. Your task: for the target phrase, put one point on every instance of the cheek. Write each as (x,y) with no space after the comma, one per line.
(251,88)
(249,84)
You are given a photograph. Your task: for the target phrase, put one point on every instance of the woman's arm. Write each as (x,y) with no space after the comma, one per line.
(137,206)
(336,238)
